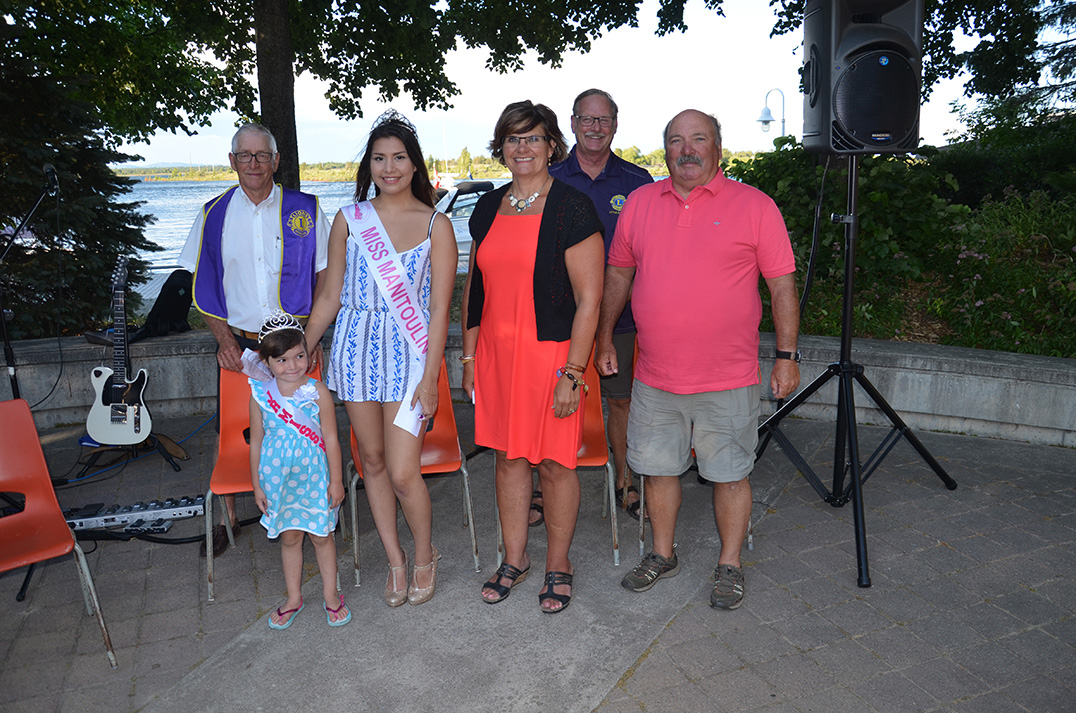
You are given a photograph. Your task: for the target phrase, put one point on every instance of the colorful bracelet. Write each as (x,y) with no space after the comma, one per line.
(574,367)
(466,358)
(576,381)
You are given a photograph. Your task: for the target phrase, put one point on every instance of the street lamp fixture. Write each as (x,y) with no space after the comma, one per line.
(767,117)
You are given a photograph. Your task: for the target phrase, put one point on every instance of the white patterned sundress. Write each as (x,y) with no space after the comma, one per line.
(371,358)
(293,472)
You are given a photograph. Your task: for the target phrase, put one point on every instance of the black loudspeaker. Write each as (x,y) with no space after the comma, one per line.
(861,75)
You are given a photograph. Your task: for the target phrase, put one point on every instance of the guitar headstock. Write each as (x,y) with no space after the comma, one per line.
(119,275)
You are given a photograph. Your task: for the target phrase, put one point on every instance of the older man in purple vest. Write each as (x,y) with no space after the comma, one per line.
(254,249)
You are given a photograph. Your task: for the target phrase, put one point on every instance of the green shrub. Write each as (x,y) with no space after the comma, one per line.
(1008,277)
(1038,156)
(901,214)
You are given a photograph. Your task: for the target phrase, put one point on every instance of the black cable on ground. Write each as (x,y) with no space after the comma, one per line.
(98,534)
(125,457)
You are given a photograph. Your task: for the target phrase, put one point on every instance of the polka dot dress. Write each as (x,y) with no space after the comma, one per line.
(293,472)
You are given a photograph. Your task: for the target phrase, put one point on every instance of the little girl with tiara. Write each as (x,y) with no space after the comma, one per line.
(295,462)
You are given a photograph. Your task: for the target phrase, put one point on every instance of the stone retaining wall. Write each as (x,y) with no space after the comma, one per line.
(933,388)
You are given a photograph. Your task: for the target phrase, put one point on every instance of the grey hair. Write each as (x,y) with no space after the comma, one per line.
(253,128)
(595,93)
(713,121)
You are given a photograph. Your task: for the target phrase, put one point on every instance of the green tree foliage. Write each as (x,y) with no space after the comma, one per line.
(165,64)
(1059,55)
(464,163)
(57,276)
(1005,56)
(131,59)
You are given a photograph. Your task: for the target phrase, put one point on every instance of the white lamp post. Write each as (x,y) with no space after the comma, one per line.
(767,118)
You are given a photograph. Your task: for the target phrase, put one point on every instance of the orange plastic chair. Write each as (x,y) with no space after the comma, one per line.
(440,454)
(593,453)
(38,532)
(231,473)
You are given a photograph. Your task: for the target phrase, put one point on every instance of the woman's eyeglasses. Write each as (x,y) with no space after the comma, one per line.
(530,140)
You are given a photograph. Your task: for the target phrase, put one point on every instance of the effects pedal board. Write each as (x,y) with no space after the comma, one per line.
(141,527)
(148,517)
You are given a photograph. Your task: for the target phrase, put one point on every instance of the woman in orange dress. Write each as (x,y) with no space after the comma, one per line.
(530,310)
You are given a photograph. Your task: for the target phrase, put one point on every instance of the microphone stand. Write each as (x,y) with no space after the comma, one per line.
(9,353)
(846,458)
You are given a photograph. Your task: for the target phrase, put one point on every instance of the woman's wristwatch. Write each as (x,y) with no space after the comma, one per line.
(794,356)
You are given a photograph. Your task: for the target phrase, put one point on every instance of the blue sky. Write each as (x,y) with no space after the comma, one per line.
(722,65)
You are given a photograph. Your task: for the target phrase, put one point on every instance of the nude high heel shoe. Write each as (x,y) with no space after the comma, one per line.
(417,595)
(396,586)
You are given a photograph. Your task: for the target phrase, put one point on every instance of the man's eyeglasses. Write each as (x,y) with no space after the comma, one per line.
(260,157)
(530,140)
(605,121)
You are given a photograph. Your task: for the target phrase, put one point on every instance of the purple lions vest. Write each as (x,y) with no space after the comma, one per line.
(298,255)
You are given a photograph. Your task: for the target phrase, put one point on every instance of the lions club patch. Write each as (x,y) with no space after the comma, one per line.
(300,223)
(617,202)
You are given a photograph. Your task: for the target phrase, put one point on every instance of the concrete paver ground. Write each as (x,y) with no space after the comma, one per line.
(971,609)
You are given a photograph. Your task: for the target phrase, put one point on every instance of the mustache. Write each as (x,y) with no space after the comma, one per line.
(689,159)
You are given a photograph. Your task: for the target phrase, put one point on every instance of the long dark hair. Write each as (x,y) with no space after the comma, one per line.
(420,180)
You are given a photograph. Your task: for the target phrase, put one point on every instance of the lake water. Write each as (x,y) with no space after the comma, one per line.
(175,205)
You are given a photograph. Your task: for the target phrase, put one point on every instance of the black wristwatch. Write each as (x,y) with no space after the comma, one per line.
(794,356)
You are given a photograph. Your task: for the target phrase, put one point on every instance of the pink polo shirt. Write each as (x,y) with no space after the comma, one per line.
(696,292)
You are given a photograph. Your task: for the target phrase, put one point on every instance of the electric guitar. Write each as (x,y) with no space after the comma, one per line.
(118,416)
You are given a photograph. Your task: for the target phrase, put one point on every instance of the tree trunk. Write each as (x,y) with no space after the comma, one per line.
(276,83)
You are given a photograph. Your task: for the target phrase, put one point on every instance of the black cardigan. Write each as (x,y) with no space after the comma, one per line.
(567,219)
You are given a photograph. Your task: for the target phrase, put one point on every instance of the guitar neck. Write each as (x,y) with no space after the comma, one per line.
(119,337)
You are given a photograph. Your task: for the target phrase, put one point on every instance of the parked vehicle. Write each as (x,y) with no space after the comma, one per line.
(458,203)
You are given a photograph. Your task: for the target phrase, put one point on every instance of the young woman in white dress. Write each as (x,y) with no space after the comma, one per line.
(374,363)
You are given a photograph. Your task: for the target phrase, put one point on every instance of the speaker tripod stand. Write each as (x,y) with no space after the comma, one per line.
(846,459)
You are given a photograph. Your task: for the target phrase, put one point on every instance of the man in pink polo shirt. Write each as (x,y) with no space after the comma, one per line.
(689,251)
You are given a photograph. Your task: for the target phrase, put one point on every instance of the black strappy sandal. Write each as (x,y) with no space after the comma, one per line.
(537,508)
(506,571)
(553,579)
(621,496)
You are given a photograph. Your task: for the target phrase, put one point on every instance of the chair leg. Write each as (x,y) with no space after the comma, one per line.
(94,608)
(642,515)
(468,510)
(610,503)
(227,522)
(209,542)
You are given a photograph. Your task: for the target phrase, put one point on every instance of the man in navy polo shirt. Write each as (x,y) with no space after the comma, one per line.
(593,168)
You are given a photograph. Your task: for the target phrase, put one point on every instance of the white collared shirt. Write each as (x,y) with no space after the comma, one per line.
(250,251)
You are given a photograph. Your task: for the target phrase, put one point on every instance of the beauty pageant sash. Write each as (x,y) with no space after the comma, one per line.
(288,412)
(383,262)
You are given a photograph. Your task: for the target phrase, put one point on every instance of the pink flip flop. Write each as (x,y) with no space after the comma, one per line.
(281,614)
(330,611)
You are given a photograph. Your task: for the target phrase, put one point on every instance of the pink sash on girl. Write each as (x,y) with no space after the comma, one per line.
(287,410)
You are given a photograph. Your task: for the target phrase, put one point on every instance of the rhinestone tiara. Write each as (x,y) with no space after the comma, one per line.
(278,321)
(394,116)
